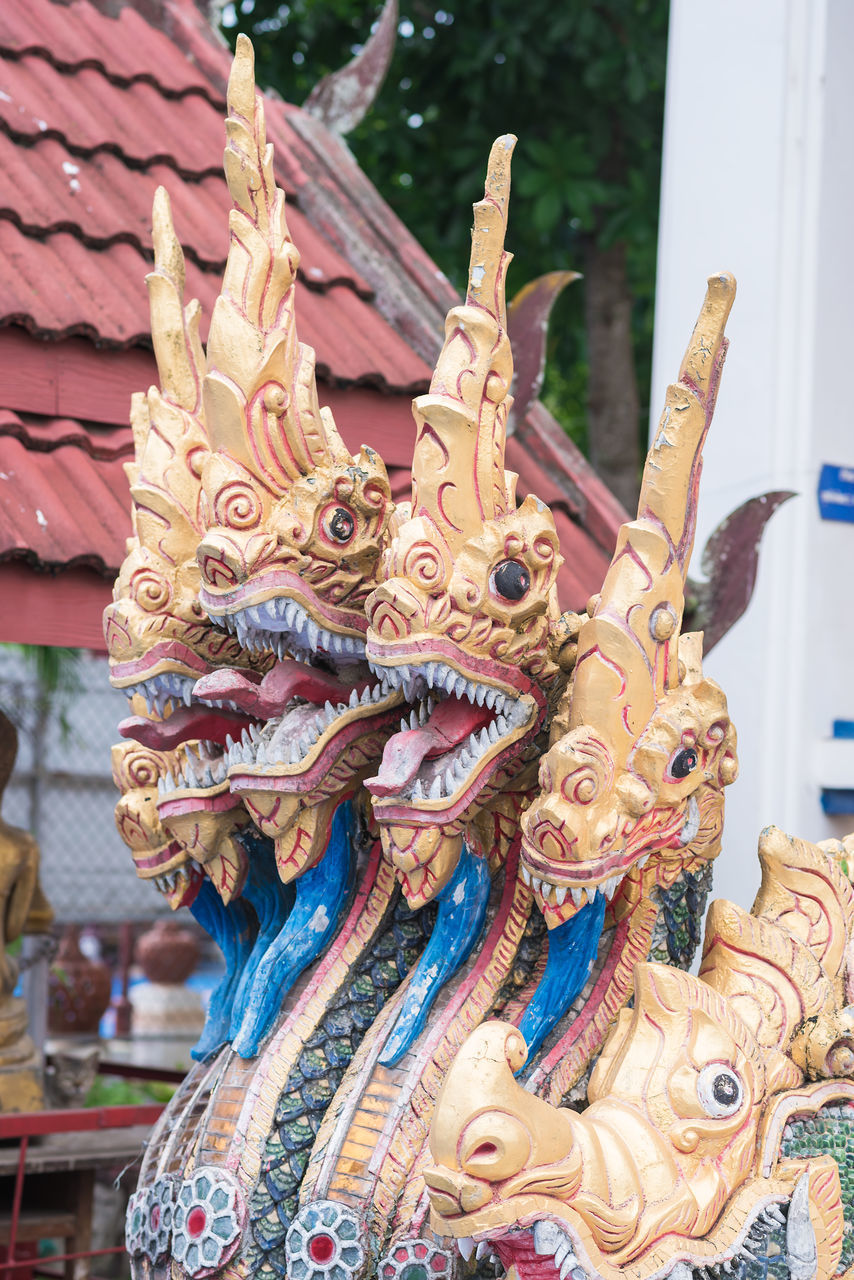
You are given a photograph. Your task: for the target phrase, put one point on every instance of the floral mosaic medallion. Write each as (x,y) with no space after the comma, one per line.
(207,1220)
(160,1208)
(415,1260)
(323,1243)
(136,1222)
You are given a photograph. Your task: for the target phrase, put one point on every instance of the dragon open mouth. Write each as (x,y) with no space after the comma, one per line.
(462,730)
(562,888)
(285,626)
(549,1250)
(299,717)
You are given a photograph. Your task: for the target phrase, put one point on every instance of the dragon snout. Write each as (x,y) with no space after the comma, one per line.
(227,560)
(453,1194)
(393,612)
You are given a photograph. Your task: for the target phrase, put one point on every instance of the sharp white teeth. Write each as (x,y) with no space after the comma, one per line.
(609,888)
(465,1244)
(536,884)
(413,719)
(526,875)
(436,788)
(484,739)
(480,694)
(492,731)
(366,696)
(295,753)
(560,895)
(482,1249)
(418,790)
(566,1266)
(329,709)
(578,896)
(229,741)
(312,631)
(503,726)
(490,697)
(354,698)
(448,780)
(548,1237)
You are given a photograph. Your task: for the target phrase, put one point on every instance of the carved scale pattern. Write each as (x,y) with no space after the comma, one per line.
(678,928)
(314,1080)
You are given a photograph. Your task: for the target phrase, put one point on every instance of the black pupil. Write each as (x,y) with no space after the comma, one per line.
(511,580)
(683,763)
(725,1090)
(341,525)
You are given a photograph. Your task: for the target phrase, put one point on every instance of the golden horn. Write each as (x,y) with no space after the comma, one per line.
(628,652)
(458,477)
(260,393)
(168,429)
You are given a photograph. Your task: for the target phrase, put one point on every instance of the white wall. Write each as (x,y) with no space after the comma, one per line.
(759,179)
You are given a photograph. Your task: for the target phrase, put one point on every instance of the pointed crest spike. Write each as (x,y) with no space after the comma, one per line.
(458,463)
(770,977)
(174,328)
(628,653)
(260,393)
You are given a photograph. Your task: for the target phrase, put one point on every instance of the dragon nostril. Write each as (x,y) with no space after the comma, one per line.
(486,1151)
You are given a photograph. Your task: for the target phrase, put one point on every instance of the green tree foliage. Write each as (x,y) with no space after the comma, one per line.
(581,83)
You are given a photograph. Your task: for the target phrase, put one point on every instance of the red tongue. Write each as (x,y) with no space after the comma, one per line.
(449,725)
(184,725)
(285,681)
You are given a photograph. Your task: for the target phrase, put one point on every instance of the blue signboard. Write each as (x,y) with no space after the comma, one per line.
(836,493)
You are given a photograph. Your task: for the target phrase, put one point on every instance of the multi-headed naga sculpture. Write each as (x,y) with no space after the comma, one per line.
(718,1135)
(273,622)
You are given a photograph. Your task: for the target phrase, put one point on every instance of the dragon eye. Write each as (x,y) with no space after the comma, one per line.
(720,1090)
(511,579)
(683,763)
(338,524)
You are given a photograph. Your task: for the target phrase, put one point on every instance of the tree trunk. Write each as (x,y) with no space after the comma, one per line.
(612,401)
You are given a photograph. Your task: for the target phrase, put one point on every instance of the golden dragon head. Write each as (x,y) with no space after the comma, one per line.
(294,526)
(647,742)
(160,641)
(175,854)
(462,619)
(681,1157)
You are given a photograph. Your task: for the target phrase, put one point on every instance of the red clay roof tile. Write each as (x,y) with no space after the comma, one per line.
(95,112)
(127,48)
(61,507)
(50,288)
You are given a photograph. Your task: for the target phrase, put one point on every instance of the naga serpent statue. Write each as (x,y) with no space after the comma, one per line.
(402,791)
(717,1138)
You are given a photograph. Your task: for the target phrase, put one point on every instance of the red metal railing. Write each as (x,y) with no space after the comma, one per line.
(35,1124)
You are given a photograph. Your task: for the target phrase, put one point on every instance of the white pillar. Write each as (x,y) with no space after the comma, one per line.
(758,178)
